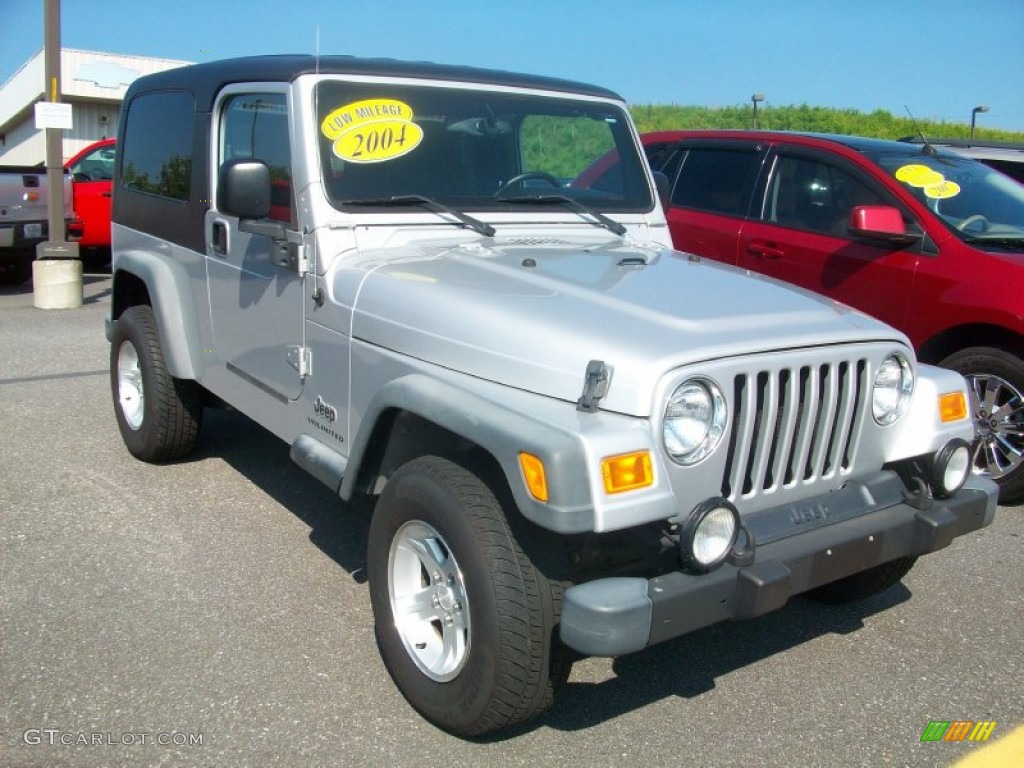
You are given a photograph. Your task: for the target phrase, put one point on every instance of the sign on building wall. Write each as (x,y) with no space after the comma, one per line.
(53,115)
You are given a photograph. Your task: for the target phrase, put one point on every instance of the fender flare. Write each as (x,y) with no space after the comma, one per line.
(500,431)
(167,283)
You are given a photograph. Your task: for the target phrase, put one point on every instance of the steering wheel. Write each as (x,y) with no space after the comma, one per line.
(975,219)
(542,175)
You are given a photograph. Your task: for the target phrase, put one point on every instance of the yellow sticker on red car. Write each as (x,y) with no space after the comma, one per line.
(372,130)
(943,189)
(935,185)
(918,175)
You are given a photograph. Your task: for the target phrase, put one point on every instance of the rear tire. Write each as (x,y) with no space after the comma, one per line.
(158,415)
(16,268)
(863,584)
(464,621)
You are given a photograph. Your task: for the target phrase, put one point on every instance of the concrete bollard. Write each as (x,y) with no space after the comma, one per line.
(57,283)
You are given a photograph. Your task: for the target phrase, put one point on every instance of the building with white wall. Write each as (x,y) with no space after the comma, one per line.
(93,83)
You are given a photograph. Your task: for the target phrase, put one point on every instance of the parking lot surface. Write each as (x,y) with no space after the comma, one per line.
(214,612)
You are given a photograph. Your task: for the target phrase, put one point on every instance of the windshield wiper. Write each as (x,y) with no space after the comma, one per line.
(476,225)
(1013,243)
(600,220)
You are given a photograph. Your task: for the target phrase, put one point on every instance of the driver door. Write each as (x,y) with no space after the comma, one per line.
(256,294)
(801,237)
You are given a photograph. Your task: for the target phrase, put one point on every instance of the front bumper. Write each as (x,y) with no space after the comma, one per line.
(797,548)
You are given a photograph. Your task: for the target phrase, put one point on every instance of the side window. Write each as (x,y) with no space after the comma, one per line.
(816,196)
(98,165)
(254,126)
(158,146)
(716,179)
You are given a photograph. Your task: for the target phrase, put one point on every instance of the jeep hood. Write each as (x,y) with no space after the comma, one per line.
(532,314)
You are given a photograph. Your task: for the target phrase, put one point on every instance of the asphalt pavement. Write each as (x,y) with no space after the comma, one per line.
(214,612)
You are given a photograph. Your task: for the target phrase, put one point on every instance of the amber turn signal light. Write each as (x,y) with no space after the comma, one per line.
(627,472)
(535,475)
(952,406)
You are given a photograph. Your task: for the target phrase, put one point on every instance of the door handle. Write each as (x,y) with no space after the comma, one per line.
(219,238)
(765,250)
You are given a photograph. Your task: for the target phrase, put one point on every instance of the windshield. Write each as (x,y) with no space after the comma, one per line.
(475,149)
(976,202)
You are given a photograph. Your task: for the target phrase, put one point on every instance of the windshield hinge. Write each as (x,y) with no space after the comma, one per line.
(301,359)
(595,386)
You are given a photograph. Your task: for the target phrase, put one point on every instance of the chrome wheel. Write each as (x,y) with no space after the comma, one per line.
(429,601)
(998,410)
(130,393)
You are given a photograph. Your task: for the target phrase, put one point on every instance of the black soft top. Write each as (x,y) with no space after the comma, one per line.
(206,80)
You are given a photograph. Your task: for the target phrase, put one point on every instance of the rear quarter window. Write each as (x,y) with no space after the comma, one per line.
(157,144)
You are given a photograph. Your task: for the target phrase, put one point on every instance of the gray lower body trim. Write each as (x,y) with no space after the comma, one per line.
(616,616)
(321,462)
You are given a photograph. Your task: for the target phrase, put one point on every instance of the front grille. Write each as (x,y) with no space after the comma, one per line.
(794,426)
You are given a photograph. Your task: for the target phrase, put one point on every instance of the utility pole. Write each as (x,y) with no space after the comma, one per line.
(57,271)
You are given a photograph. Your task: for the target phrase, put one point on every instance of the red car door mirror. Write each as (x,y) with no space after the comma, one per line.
(879,223)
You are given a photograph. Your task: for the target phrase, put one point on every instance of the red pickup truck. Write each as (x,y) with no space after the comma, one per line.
(928,241)
(92,172)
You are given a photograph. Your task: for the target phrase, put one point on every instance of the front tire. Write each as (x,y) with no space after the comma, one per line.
(158,415)
(995,383)
(464,621)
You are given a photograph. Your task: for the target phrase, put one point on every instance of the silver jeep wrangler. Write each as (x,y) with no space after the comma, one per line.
(449,290)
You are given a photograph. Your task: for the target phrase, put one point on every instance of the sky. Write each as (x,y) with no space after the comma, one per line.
(937,58)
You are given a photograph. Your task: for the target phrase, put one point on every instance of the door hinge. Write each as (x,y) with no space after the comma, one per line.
(298,251)
(301,359)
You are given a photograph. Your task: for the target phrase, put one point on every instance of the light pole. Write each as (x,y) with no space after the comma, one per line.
(56,271)
(974,114)
(754,99)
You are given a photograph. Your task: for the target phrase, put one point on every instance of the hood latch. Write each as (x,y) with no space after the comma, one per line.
(595,386)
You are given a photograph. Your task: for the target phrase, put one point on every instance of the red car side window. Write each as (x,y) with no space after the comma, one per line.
(815,196)
(717,180)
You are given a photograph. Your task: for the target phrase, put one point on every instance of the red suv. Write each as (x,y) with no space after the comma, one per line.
(928,241)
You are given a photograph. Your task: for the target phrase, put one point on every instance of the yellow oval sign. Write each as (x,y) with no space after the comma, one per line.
(348,116)
(942,190)
(918,175)
(378,141)
(372,130)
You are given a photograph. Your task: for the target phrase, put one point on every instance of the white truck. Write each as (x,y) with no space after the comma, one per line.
(451,292)
(23,218)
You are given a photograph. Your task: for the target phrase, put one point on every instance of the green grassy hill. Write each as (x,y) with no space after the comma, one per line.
(880,124)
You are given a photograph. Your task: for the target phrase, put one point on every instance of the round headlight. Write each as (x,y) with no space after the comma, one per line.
(950,468)
(894,384)
(709,534)
(694,421)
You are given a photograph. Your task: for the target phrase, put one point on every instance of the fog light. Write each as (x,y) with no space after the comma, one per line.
(708,535)
(950,468)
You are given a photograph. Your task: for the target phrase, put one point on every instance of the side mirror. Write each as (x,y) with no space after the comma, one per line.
(243,189)
(879,224)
